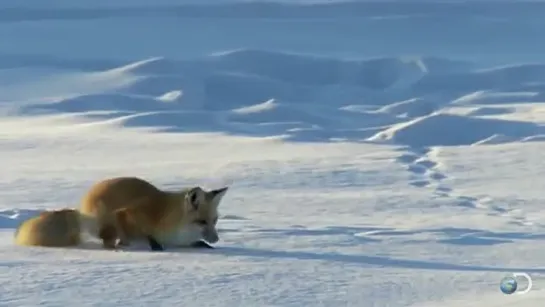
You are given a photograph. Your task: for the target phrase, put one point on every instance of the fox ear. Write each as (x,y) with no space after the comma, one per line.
(192,198)
(215,196)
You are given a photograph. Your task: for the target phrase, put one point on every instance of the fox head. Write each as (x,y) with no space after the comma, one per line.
(203,207)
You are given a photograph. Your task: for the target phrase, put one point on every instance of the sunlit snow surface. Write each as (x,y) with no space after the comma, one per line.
(378,153)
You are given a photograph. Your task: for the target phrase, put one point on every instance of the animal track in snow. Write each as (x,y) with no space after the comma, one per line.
(423,168)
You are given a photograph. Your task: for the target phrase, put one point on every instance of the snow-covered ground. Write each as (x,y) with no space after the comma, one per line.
(378,153)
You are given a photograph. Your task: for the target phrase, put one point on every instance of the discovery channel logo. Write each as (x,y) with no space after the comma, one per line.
(509,284)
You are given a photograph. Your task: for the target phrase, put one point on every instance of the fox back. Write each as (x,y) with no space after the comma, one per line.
(119,192)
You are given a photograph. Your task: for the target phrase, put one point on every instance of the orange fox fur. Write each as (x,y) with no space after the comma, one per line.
(58,228)
(136,209)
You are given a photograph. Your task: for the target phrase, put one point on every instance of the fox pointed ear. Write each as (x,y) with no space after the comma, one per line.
(192,198)
(216,195)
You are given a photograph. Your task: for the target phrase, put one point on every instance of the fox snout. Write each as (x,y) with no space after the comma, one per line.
(210,235)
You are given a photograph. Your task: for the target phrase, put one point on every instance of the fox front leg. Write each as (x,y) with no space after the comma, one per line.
(108,235)
(154,245)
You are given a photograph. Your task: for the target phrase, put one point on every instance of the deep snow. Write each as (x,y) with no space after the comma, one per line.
(379,153)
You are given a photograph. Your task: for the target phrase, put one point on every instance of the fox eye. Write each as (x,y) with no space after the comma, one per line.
(202,222)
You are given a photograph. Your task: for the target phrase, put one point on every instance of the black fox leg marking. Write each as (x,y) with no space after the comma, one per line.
(108,234)
(201,244)
(154,245)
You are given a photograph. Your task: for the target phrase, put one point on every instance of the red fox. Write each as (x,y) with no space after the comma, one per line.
(135,209)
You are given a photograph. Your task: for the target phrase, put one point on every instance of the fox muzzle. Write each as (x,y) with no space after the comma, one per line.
(210,235)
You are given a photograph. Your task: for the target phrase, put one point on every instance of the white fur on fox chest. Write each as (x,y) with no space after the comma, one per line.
(183,236)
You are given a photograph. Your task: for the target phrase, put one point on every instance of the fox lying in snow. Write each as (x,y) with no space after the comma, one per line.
(130,208)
